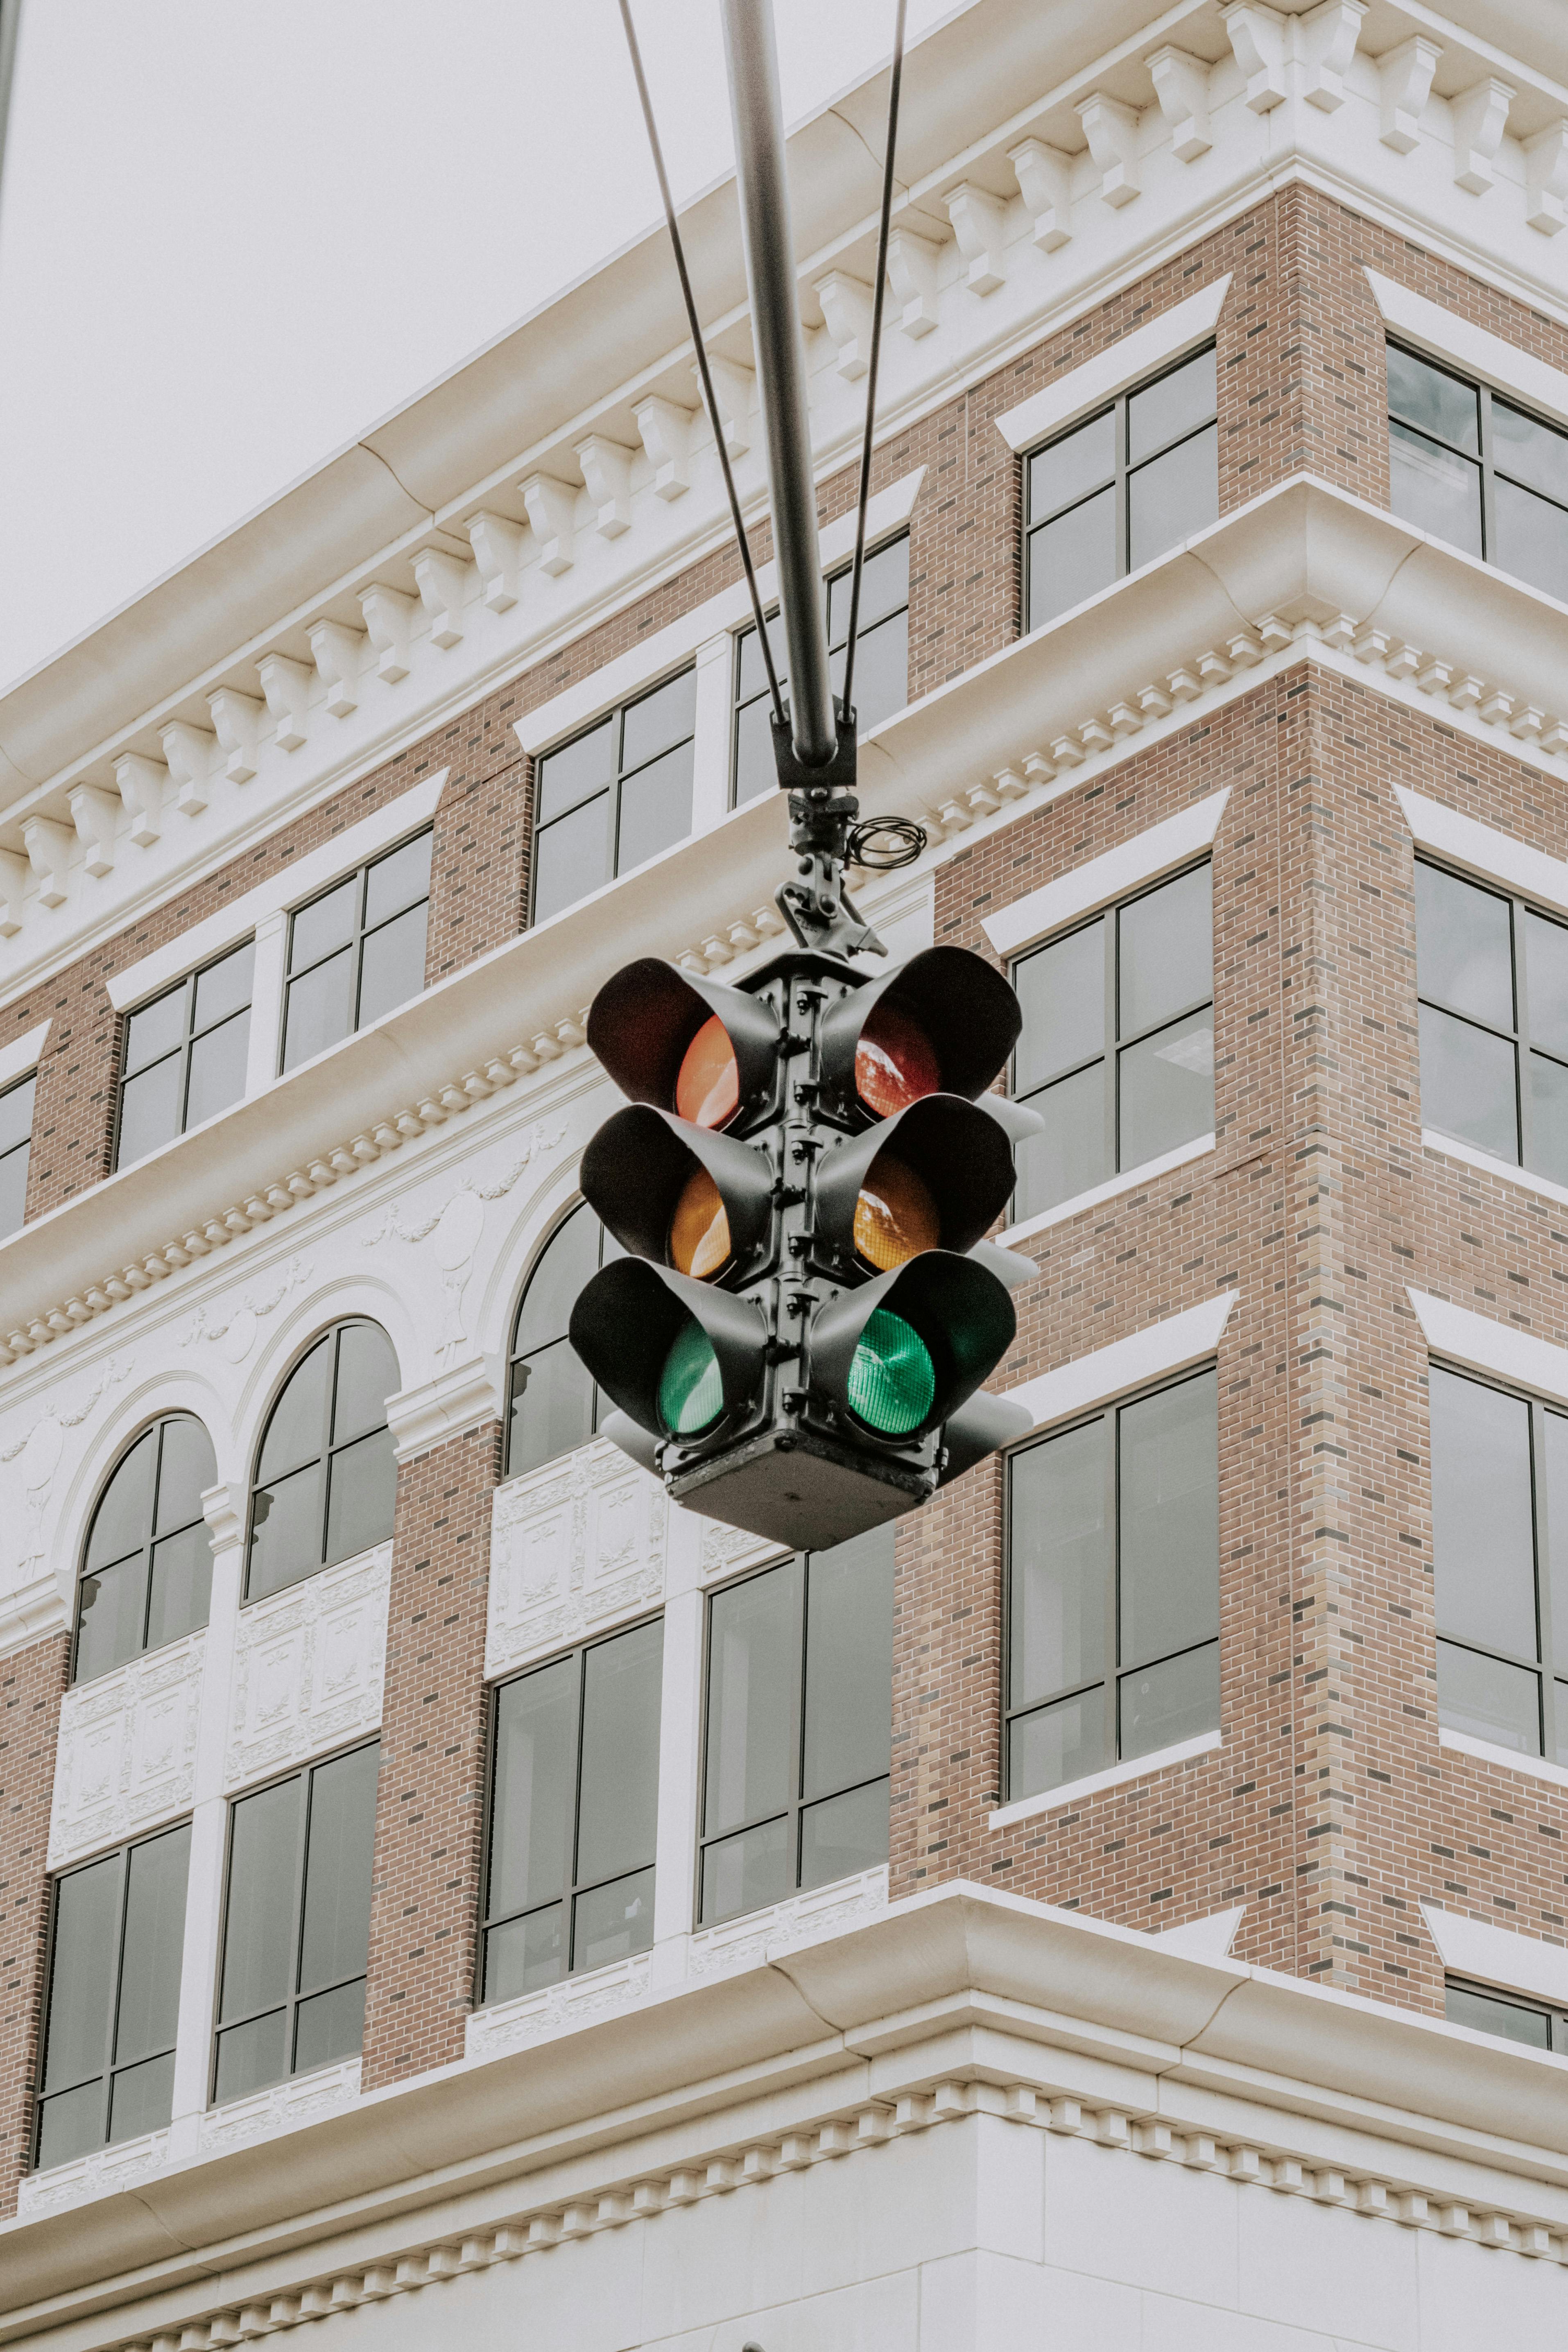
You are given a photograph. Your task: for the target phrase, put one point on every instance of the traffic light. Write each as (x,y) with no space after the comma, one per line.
(802,1181)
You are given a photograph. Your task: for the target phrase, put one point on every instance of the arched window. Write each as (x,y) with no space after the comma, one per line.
(552,1404)
(147,1573)
(326,1481)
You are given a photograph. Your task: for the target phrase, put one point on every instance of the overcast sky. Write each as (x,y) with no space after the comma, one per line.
(233,232)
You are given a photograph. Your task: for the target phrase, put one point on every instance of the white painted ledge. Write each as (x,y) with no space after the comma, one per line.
(1114,1186)
(1204,1939)
(23,1054)
(1143,352)
(1487,1751)
(1126,1364)
(1115,1776)
(1482,850)
(1514,372)
(1099,881)
(1463,1336)
(1452,1147)
(1472,1948)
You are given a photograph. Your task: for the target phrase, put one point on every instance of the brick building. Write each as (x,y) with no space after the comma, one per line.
(448,1890)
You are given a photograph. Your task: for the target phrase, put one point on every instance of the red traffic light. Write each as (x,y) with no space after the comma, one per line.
(944,1022)
(694,1046)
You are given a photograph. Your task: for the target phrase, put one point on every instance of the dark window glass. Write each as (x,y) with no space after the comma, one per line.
(326,1482)
(881,681)
(1495,2013)
(1114,493)
(569,1879)
(357,951)
(1113,1587)
(185,1055)
(296,1925)
(1492,977)
(797,1728)
(552,1405)
(1468,466)
(1140,981)
(614,797)
(15,1142)
(113,2000)
(147,1571)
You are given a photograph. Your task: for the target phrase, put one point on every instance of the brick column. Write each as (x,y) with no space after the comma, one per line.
(31,1684)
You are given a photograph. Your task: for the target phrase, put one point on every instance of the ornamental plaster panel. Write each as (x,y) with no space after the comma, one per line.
(104,2172)
(285,2108)
(309,1664)
(559,2009)
(760,1936)
(576,1547)
(727,1551)
(127,1750)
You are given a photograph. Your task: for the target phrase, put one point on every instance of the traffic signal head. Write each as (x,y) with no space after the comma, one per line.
(933,1177)
(895,1357)
(683,1360)
(679,1193)
(694,1046)
(944,1022)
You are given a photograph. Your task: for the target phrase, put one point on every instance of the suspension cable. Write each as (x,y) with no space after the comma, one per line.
(878,298)
(703,370)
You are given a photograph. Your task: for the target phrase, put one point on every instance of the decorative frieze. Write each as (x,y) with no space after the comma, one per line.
(127,1750)
(105,2172)
(811,1919)
(574,1548)
(284,2107)
(308,1663)
(558,2009)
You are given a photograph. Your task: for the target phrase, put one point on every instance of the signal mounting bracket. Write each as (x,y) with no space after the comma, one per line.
(823,807)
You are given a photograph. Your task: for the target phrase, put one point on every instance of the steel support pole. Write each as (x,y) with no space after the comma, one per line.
(754,107)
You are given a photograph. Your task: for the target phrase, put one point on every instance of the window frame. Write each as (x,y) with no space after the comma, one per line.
(332,1332)
(1482,459)
(27,1078)
(190,1036)
(158,1425)
(616,714)
(748,629)
(579,1207)
(1122,468)
(1520,1040)
(1555,2013)
(360,875)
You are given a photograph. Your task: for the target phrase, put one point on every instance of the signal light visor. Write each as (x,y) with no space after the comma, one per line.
(707,1084)
(895,1215)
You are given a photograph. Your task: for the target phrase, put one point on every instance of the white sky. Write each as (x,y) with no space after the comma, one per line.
(235,232)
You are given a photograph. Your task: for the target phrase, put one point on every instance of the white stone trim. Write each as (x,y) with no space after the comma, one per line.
(1115,1776)
(307,1668)
(1204,1939)
(1160,1349)
(1486,1346)
(1484,851)
(23,1054)
(1113,1187)
(1143,352)
(1473,1947)
(409,812)
(1452,1147)
(1100,881)
(1516,373)
(457,1399)
(1487,1751)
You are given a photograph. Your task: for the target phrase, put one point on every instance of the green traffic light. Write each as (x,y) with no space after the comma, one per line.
(892,1379)
(690,1390)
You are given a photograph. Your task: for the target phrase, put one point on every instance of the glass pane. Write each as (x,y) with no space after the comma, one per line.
(1482,1515)
(1485,2013)
(1424,395)
(298,1429)
(1168,1581)
(1531,538)
(152,1947)
(844,1834)
(362,1496)
(655,808)
(285,1532)
(156,1030)
(70,2125)
(1561,1697)
(124,1517)
(397,880)
(17,1113)
(330,2027)
(525,1954)
(665,716)
(746,1872)
(754,1666)
(265,1839)
(1174,495)
(1554,1432)
(224,986)
(320,1009)
(1061,990)
(1488,1699)
(217,1069)
(1061,1563)
(1434,490)
(187,1468)
(585,766)
(1072,558)
(1546,966)
(614,1922)
(335,1936)
(82,1982)
(1531,450)
(113,1609)
(1177,1700)
(252,2056)
(1548,1118)
(571,859)
(552,1408)
(181,1597)
(881,672)
(1464,947)
(1165,950)
(13,1190)
(1172,406)
(617,1804)
(367,1375)
(569,1259)
(150,1111)
(392,967)
(326,923)
(536,1778)
(1072,1155)
(755,769)
(1167,1090)
(848,1664)
(1058,1744)
(752,677)
(143,2098)
(1467,1084)
(884,587)
(1077,462)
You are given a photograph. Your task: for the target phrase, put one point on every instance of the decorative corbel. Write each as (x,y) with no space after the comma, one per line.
(1546,178)
(551,514)
(665,430)
(189,752)
(1480,118)
(977,218)
(49,846)
(443,583)
(498,551)
(1257,39)
(140,783)
(846,307)
(1045,182)
(734,388)
(911,274)
(1404,86)
(1181,87)
(607,470)
(15,875)
(1328,35)
(1111,130)
(337,652)
(387,616)
(287,686)
(237,717)
(93,814)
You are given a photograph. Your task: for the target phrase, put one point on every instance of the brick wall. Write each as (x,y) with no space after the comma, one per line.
(30,1687)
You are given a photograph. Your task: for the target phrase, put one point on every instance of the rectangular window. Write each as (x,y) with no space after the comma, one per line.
(574,1813)
(1117,1048)
(614,796)
(357,951)
(881,680)
(1499,1556)
(185,1055)
(1113,1587)
(1485,2011)
(296,1925)
(797,1738)
(115,1950)
(15,1145)
(1492,979)
(1468,466)
(1118,490)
